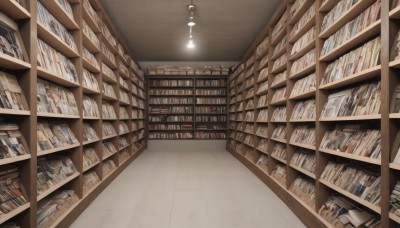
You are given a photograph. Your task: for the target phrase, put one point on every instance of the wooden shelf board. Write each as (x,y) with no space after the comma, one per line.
(359,200)
(90,142)
(108,62)
(57,186)
(14,10)
(66,213)
(89,45)
(356,40)
(55,42)
(350,118)
(12,63)
(303,8)
(278,159)
(303,51)
(284,141)
(328,5)
(395,13)
(304,95)
(279,53)
(303,145)
(278,121)
(302,120)
(89,66)
(91,190)
(305,71)
(262,107)
(394,217)
(56,115)
(105,97)
(279,84)
(90,22)
(275,40)
(349,15)
(395,64)
(90,166)
(109,137)
(278,103)
(352,156)
(54,150)
(91,118)
(124,147)
(6,111)
(58,12)
(279,69)
(5,161)
(394,166)
(13,213)
(354,78)
(107,43)
(304,171)
(46,74)
(109,155)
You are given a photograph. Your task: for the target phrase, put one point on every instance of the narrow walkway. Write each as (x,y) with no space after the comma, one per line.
(187,189)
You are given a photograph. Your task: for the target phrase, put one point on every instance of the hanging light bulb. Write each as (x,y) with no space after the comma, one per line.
(190,44)
(191,22)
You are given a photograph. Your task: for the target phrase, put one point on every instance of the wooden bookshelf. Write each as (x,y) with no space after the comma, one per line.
(197,118)
(386,72)
(28,72)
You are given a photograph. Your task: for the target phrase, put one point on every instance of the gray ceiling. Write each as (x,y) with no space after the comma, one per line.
(156,30)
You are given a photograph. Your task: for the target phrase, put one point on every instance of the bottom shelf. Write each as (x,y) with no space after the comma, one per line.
(11,214)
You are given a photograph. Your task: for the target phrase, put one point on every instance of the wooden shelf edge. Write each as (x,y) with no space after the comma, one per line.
(13,213)
(14,159)
(57,186)
(58,149)
(351,156)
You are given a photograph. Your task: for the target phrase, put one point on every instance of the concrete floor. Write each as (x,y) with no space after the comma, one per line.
(187,189)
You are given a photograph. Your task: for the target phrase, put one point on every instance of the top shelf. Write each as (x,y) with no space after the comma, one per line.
(58,12)
(14,10)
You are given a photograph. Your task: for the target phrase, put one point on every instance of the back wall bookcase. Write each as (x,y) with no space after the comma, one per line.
(187,107)
(321,128)
(73,109)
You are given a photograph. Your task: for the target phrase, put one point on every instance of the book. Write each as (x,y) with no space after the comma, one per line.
(304,41)
(54,206)
(108,90)
(262,131)
(210,135)
(305,190)
(53,170)
(354,179)
(10,39)
(303,62)
(89,134)
(353,62)
(279,174)
(108,54)
(262,116)
(13,193)
(304,85)
(279,78)
(304,159)
(395,200)
(249,116)
(88,56)
(108,111)
(262,162)
(280,62)
(108,167)
(353,139)
(200,118)
(87,6)
(52,135)
(280,25)
(11,94)
(108,72)
(108,36)
(280,46)
(123,97)
(279,152)
(90,180)
(55,62)
(90,81)
(108,130)
(12,141)
(123,128)
(90,34)
(90,158)
(340,9)
(279,95)
(303,134)
(209,110)
(123,143)
(262,48)
(279,114)
(361,100)
(279,132)
(262,145)
(304,110)
(47,20)
(395,105)
(211,83)
(108,149)
(90,108)
(159,135)
(123,156)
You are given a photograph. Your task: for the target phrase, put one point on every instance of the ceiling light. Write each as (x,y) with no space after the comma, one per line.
(190,44)
(191,24)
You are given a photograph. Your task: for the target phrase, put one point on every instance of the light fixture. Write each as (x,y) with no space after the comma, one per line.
(191,24)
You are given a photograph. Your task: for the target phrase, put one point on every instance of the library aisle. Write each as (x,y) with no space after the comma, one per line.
(187,188)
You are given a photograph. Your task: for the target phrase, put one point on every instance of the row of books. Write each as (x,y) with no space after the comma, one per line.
(304,85)
(279,152)
(295,8)
(108,111)
(55,62)
(263,75)
(11,94)
(303,62)
(279,95)
(305,160)
(352,178)
(210,118)
(46,19)
(106,70)
(53,170)
(210,100)
(89,134)
(210,110)
(280,25)
(279,132)
(108,167)
(282,60)
(52,135)
(340,9)
(12,141)
(209,135)
(90,108)
(123,128)
(90,158)
(108,149)
(171,100)
(13,193)
(89,57)
(92,13)
(178,109)
(108,130)
(303,134)
(361,22)
(361,100)
(55,99)
(279,174)
(307,16)
(11,44)
(213,92)
(159,135)
(54,206)
(263,87)
(305,190)
(211,82)
(279,78)
(262,116)
(262,145)
(90,81)
(187,70)
(210,127)
(183,118)
(170,127)
(305,40)
(90,34)
(279,114)
(108,90)
(262,162)
(262,48)
(280,46)
(355,61)
(90,180)
(170,83)
(171,92)
(304,110)
(123,97)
